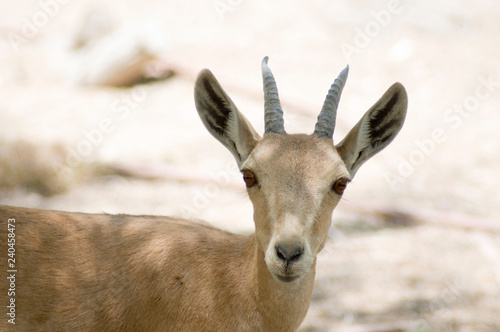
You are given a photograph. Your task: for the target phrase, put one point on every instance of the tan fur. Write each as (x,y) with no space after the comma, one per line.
(84,272)
(90,272)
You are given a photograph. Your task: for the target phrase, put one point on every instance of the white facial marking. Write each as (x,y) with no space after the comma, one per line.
(291,226)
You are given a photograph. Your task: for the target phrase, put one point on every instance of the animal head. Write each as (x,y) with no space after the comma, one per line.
(296,180)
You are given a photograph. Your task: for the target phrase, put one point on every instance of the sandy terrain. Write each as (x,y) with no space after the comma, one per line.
(415,243)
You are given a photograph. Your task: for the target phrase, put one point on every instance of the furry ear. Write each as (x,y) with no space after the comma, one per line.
(376,129)
(222,119)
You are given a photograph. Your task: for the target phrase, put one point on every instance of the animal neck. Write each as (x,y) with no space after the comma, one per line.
(282,306)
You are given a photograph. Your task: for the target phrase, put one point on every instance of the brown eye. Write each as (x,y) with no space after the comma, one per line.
(249,178)
(340,185)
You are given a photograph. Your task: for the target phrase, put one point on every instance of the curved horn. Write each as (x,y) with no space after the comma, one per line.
(326,119)
(273,114)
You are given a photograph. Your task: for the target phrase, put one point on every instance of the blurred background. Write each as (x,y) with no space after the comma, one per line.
(97,115)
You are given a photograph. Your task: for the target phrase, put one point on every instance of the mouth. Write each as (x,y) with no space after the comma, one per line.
(286,278)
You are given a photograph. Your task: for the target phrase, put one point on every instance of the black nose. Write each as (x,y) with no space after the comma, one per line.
(289,253)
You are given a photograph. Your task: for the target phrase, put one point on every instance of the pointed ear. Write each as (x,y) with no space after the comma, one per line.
(376,129)
(222,119)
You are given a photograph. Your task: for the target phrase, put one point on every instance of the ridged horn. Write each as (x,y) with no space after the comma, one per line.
(273,114)
(326,118)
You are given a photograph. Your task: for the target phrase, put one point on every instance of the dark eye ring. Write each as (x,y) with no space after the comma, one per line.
(340,185)
(249,178)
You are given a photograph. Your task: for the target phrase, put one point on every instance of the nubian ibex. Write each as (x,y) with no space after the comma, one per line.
(99,272)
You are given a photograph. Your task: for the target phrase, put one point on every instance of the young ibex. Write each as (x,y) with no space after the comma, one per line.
(85,272)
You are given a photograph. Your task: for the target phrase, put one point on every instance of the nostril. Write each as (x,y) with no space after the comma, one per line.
(280,254)
(289,254)
(295,255)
